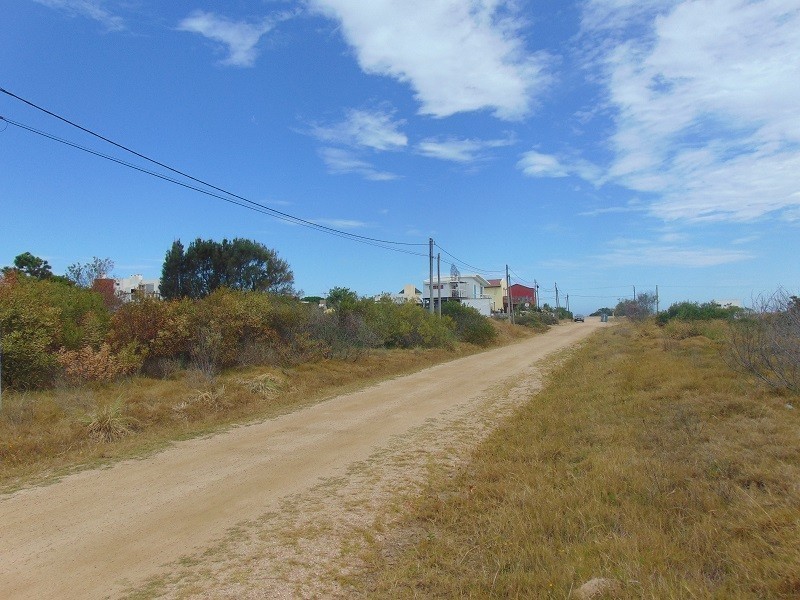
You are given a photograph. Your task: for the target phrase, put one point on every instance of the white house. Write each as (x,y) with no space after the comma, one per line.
(466,289)
(127,288)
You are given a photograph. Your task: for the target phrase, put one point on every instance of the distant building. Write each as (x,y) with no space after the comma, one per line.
(496,290)
(136,286)
(466,289)
(409,293)
(522,296)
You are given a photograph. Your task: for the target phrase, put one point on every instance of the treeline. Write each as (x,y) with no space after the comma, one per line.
(54,332)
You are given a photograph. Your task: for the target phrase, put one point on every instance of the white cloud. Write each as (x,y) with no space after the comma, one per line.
(362,128)
(537,164)
(239,38)
(341,223)
(459,150)
(650,254)
(340,161)
(706,107)
(92,9)
(457,55)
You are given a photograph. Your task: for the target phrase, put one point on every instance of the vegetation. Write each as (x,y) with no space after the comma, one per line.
(645,461)
(238,264)
(693,311)
(84,275)
(470,326)
(39,317)
(639,309)
(766,341)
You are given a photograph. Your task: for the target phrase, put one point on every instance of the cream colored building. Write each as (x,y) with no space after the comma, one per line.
(497,291)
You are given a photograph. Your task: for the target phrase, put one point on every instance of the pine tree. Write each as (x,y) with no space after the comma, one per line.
(174,283)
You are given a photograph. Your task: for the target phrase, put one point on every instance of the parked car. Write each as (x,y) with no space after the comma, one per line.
(578,318)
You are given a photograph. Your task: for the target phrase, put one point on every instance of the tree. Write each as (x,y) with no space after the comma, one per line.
(33,265)
(639,309)
(174,278)
(342,299)
(238,264)
(84,275)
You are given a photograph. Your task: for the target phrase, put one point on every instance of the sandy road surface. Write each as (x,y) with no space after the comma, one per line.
(97,532)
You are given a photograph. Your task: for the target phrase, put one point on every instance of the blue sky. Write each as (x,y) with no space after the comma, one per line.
(599,145)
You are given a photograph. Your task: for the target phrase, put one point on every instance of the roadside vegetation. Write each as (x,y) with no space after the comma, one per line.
(87,380)
(648,463)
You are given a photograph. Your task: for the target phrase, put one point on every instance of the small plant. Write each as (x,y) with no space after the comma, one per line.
(266,386)
(108,423)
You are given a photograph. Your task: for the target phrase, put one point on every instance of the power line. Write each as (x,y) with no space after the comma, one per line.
(269,210)
(254,206)
(466,264)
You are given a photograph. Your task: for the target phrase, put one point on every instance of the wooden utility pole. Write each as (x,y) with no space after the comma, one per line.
(557,304)
(439,282)
(567,302)
(508,295)
(430,275)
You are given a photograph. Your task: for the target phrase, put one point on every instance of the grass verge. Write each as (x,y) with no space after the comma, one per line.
(645,461)
(44,435)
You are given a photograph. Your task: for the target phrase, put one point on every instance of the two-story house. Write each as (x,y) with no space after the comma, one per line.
(466,289)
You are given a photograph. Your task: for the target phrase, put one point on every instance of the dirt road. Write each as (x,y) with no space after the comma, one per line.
(97,533)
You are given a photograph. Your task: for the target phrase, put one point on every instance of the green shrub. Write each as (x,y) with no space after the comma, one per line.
(536,320)
(37,317)
(470,325)
(158,330)
(406,325)
(692,311)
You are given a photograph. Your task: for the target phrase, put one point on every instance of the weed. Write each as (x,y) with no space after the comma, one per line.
(108,423)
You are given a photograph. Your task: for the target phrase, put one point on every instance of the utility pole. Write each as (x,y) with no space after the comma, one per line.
(508,295)
(557,305)
(536,287)
(430,275)
(656,299)
(439,282)
(634,293)
(567,302)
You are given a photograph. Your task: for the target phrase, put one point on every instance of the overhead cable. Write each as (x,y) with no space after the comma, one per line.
(269,210)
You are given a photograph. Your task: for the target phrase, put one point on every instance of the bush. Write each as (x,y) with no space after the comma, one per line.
(692,311)
(157,330)
(470,325)
(37,317)
(766,342)
(406,325)
(89,365)
(536,320)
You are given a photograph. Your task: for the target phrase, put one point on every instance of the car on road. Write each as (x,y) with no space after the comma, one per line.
(578,318)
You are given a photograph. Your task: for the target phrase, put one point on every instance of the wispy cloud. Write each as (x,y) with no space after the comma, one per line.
(91,9)
(628,253)
(537,164)
(342,223)
(705,103)
(459,150)
(238,37)
(457,56)
(364,128)
(340,161)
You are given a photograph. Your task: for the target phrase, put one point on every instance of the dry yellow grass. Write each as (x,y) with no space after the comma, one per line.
(48,433)
(645,461)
